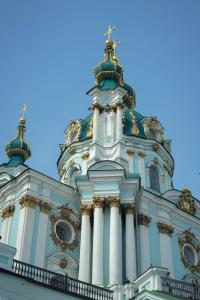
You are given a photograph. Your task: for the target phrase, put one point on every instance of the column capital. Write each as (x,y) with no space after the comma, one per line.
(8,211)
(85,209)
(165,228)
(98,202)
(85,155)
(44,207)
(96,105)
(114,201)
(129,208)
(28,201)
(130,152)
(117,106)
(144,220)
(141,154)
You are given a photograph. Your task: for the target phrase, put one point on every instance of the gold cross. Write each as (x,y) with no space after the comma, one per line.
(109,32)
(24,110)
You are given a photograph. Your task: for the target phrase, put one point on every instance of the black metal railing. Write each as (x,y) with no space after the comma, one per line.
(59,282)
(179,288)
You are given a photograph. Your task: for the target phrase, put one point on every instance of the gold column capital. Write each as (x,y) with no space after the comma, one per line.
(142,154)
(130,152)
(114,201)
(96,106)
(28,201)
(165,228)
(8,211)
(144,220)
(129,208)
(44,207)
(98,202)
(85,209)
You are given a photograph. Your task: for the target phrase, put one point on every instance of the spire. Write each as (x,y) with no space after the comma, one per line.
(109,73)
(18,150)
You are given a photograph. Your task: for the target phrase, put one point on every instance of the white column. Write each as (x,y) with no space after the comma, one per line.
(6,214)
(85,157)
(119,126)
(97,256)
(95,107)
(25,229)
(130,243)
(42,235)
(166,247)
(130,153)
(142,167)
(85,245)
(144,248)
(114,255)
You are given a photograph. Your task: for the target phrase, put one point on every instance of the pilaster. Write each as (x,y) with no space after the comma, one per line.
(25,228)
(144,246)
(97,259)
(85,244)
(42,234)
(6,215)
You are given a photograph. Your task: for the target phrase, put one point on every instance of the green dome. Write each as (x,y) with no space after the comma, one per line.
(133,123)
(109,68)
(18,150)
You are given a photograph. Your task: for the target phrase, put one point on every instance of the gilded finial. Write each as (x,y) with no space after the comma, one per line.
(109,32)
(24,110)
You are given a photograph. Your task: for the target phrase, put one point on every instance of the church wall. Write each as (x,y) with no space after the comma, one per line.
(14,227)
(154,241)
(35,234)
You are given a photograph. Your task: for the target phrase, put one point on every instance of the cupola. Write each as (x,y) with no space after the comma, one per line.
(18,149)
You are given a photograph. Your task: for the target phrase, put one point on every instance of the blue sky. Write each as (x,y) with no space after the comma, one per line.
(50,47)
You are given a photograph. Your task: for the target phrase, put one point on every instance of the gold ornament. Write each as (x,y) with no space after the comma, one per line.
(144,220)
(65,215)
(129,208)
(141,154)
(63,263)
(90,128)
(85,156)
(86,209)
(44,207)
(186,203)
(155,147)
(165,228)
(8,211)
(130,152)
(98,202)
(134,129)
(73,132)
(114,201)
(28,201)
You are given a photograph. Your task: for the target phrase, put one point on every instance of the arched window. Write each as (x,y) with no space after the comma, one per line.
(154,179)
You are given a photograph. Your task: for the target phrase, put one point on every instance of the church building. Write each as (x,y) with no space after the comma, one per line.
(113,226)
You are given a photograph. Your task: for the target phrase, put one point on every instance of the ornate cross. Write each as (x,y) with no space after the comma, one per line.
(109,31)
(24,110)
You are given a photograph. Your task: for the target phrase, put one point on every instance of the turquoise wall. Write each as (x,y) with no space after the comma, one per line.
(154,240)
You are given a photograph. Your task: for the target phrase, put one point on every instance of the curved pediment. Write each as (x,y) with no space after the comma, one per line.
(106,165)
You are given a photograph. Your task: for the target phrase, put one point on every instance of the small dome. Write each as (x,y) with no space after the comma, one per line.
(109,68)
(18,150)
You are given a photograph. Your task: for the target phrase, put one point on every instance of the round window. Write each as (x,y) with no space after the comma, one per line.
(64,231)
(190,254)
